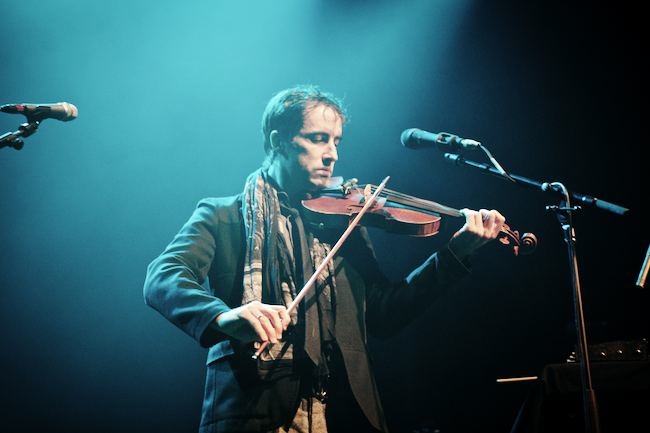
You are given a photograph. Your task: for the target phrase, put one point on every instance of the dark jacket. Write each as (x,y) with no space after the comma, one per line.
(199,275)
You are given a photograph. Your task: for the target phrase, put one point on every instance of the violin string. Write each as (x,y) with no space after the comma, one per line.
(433,206)
(415,202)
(436,207)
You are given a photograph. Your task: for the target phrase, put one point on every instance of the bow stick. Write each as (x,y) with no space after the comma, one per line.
(303,292)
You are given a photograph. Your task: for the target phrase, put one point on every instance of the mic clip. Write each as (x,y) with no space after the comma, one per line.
(446,140)
(15,139)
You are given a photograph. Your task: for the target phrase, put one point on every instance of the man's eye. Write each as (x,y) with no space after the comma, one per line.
(317,138)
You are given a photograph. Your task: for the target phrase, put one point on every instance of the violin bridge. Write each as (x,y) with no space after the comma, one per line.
(347,186)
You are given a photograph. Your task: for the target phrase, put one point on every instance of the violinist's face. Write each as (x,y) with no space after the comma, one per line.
(312,152)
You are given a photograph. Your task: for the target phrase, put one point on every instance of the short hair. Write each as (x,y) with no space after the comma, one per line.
(285,111)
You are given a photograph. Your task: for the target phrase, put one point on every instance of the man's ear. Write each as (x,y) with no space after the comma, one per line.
(274,139)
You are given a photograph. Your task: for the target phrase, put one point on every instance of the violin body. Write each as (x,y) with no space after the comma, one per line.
(335,209)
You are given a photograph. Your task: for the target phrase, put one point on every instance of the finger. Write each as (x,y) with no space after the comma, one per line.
(488,218)
(500,218)
(265,316)
(468,213)
(257,326)
(268,326)
(470,216)
(499,221)
(475,222)
(273,314)
(276,321)
(284,316)
(256,317)
(286,319)
(494,222)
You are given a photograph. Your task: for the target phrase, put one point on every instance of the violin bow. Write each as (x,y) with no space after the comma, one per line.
(309,284)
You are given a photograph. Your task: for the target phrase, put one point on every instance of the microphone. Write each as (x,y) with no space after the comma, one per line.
(414,138)
(36,112)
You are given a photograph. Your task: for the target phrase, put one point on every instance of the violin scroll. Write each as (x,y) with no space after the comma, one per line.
(524,244)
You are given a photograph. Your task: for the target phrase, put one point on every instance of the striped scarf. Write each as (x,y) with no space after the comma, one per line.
(269,267)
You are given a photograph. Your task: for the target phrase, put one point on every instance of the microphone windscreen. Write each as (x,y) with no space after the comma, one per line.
(406,137)
(70,110)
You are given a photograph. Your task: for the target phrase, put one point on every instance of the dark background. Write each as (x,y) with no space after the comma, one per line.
(170,97)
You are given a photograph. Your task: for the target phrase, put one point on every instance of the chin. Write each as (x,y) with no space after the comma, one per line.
(320,182)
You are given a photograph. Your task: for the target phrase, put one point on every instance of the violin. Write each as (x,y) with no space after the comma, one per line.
(350,203)
(395,212)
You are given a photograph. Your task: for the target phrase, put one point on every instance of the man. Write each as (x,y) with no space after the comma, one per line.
(256,250)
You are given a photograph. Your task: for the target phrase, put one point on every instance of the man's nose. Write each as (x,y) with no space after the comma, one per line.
(331,153)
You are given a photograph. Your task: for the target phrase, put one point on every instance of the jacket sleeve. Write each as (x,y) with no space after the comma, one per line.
(390,306)
(174,283)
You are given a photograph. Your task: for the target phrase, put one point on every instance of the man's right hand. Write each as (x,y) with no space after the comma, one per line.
(255,321)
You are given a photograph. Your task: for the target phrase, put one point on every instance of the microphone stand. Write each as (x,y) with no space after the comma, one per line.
(15,139)
(643,273)
(564,213)
(542,186)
